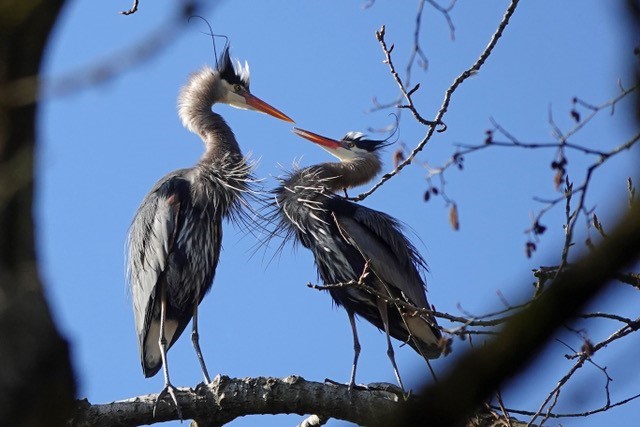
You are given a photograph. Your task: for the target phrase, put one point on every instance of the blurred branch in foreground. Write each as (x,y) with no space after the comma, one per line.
(37,384)
(23,91)
(481,372)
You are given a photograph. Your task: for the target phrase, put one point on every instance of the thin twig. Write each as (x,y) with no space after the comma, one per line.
(134,8)
(417,53)
(574,414)
(466,321)
(474,69)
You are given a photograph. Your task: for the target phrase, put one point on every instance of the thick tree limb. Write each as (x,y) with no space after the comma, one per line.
(226,399)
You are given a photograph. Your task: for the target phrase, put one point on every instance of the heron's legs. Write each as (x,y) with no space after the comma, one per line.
(382,307)
(356,349)
(168,387)
(195,338)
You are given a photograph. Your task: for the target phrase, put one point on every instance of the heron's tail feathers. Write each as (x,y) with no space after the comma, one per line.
(424,336)
(150,345)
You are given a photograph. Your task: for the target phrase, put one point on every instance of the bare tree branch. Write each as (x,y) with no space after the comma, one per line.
(226,399)
(474,69)
(417,54)
(134,8)
(604,408)
(480,372)
(562,146)
(547,273)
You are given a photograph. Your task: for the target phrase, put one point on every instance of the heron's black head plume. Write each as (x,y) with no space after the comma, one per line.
(361,141)
(233,73)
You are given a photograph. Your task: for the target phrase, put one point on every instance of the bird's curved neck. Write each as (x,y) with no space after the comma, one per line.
(337,176)
(202,91)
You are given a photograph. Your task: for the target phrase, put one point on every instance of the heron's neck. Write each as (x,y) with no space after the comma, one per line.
(348,174)
(195,101)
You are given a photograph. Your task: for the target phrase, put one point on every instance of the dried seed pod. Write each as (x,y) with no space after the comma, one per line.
(538,228)
(575,115)
(529,248)
(598,226)
(453,217)
(587,347)
(398,157)
(557,179)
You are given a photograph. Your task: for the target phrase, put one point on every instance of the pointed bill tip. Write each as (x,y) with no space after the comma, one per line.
(259,105)
(317,139)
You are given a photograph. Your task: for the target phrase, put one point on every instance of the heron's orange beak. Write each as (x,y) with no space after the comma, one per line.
(318,139)
(259,105)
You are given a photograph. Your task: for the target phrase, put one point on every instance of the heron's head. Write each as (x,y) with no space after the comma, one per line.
(352,146)
(234,88)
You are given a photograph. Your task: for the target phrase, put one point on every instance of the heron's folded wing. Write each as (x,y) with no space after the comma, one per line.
(391,255)
(150,241)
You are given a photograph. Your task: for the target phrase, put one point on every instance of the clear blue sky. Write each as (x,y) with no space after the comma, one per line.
(104,147)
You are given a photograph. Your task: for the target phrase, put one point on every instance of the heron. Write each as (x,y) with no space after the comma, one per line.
(353,244)
(174,241)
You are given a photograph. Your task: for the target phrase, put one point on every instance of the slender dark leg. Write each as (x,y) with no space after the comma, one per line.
(406,323)
(382,307)
(168,387)
(195,339)
(356,349)
(433,373)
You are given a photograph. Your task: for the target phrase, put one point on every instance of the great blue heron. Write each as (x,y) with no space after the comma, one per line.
(174,240)
(348,239)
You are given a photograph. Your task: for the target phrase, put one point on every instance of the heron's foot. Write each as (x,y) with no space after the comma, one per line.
(206,380)
(391,388)
(355,386)
(350,385)
(330,381)
(171,391)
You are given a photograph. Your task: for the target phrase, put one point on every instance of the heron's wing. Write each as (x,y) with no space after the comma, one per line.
(151,239)
(392,257)
(395,261)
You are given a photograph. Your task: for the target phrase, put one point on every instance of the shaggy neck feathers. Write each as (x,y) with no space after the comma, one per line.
(197,97)
(337,176)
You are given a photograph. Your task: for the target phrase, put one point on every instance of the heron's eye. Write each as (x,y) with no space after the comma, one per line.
(237,88)
(351,144)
